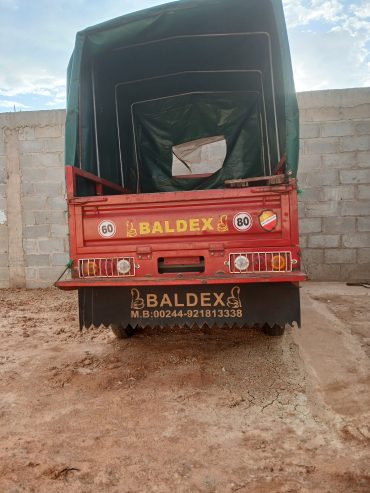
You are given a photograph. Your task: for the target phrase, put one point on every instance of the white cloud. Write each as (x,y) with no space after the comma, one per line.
(327,60)
(335,52)
(301,13)
(30,83)
(362,10)
(11,104)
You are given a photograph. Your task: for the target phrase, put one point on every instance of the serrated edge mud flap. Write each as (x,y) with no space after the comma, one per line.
(193,306)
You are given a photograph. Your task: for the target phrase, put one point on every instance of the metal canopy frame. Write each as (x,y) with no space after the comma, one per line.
(175,74)
(135,81)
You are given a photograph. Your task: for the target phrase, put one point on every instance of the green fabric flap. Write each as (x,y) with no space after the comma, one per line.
(235,117)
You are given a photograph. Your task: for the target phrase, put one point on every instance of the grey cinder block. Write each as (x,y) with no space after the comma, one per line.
(361,143)
(50,273)
(48,132)
(355,208)
(355,176)
(343,192)
(364,192)
(323,241)
(363,255)
(363,223)
(4,260)
(34,260)
(310,225)
(322,146)
(340,256)
(309,130)
(4,276)
(36,231)
(324,209)
(339,160)
(60,259)
(51,245)
(359,240)
(336,225)
(313,256)
(319,178)
(337,129)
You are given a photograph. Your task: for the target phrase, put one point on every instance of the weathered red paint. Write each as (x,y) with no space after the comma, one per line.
(208,234)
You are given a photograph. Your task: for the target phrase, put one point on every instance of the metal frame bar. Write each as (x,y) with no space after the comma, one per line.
(119,138)
(72,172)
(95,118)
(194,92)
(263,157)
(220,35)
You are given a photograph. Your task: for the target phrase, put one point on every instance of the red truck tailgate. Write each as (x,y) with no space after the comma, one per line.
(247,217)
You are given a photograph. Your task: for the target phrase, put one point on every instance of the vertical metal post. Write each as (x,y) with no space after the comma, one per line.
(266,125)
(119,135)
(274,100)
(79,128)
(95,120)
(263,146)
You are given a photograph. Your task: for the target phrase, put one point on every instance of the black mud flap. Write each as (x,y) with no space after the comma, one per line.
(241,305)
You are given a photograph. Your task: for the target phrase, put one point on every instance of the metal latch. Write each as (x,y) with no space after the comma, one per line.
(144,252)
(217,249)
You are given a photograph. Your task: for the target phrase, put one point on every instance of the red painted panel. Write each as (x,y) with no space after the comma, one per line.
(184,224)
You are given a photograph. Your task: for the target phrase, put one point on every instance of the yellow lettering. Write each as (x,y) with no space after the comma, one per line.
(144,228)
(176,297)
(219,300)
(157,228)
(151,300)
(205,299)
(165,301)
(167,227)
(194,225)
(191,299)
(181,226)
(207,224)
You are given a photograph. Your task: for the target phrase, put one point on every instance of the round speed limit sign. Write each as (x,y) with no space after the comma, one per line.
(107,229)
(242,221)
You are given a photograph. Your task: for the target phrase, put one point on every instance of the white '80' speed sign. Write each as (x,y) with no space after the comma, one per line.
(107,229)
(242,221)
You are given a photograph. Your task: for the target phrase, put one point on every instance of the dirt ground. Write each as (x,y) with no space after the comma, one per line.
(182,410)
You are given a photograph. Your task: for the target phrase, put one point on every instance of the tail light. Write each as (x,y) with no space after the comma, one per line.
(278,262)
(89,269)
(252,262)
(106,267)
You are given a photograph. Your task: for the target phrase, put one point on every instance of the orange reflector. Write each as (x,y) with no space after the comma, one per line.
(278,262)
(90,268)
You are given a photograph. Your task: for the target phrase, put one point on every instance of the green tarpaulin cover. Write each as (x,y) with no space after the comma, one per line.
(187,71)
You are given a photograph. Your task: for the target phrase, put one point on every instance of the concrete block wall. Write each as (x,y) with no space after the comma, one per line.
(4,241)
(334,176)
(34,236)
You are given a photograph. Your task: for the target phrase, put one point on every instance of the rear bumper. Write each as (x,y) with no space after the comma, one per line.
(290,277)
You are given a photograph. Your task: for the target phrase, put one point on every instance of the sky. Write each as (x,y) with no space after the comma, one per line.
(329,42)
